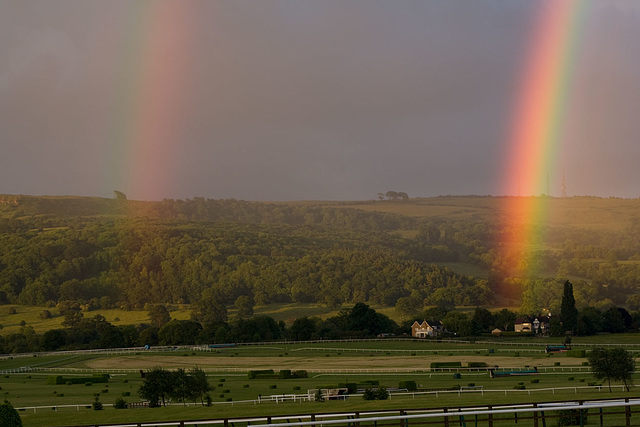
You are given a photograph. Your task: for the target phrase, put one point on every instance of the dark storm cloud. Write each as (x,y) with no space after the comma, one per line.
(310,100)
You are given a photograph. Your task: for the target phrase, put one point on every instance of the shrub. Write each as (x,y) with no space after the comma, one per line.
(441,365)
(519,387)
(571,378)
(300,374)
(229,399)
(226,391)
(120,403)
(351,387)
(221,380)
(59,379)
(296,387)
(245,385)
(273,386)
(126,393)
(477,364)
(369,394)
(262,374)
(556,363)
(285,374)
(382,394)
(97,405)
(410,385)
(535,380)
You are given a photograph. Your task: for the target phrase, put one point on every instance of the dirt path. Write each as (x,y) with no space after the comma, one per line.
(309,363)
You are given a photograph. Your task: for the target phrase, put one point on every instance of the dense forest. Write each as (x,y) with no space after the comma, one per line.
(121,253)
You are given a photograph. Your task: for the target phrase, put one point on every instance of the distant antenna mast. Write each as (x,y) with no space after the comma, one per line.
(548,191)
(564,186)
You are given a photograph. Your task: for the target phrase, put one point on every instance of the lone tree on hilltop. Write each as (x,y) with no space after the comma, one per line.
(614,363)
(119,195)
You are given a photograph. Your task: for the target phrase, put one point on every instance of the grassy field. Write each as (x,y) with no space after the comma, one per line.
(575,212)
(286,312)
(328,364)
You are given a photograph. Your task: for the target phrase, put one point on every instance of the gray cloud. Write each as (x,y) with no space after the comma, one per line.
(301,100)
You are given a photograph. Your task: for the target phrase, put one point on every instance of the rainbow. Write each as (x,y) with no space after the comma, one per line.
(537,127)
(147,116)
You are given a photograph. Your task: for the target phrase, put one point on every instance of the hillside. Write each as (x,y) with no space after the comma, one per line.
(412,253)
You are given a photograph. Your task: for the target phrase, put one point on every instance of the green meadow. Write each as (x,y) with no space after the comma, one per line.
(287,312)
(328,364)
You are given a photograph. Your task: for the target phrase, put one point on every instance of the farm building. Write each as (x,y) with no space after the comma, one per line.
(426,329)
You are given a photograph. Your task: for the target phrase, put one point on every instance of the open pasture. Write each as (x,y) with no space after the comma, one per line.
(328,364)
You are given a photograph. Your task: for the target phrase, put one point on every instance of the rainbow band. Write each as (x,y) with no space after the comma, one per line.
(148,108)
(538,124)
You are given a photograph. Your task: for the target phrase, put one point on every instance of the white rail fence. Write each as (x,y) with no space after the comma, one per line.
(306,397)
(439,416)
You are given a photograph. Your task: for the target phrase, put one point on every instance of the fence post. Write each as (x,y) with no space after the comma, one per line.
(402,420)
(627,412)
(490,416)
(580,402)
(535,416)
(601,418)
(446,419)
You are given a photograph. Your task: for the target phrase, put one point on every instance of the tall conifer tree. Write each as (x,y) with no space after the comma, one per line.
(568,311)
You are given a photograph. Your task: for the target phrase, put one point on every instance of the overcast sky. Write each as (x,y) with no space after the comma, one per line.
(301,99)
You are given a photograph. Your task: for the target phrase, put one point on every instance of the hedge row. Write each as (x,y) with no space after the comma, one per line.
(446,365)
(59,379)
(283,374)
(576,353)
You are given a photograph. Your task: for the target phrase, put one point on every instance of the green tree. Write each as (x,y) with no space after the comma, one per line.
(159,315)
(119,195)
(484,318)
(182,389)
(178,332)
(302,329)
(568,311)
(505,319)
(210,308)
(199,384)
(157,386)
(9,417)
(612,364)
(244,304)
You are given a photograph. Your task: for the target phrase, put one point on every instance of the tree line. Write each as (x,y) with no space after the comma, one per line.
(100,249)
(79,332)
(129,262)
